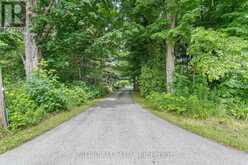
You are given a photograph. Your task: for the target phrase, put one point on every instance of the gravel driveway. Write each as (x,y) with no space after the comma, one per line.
(120,132)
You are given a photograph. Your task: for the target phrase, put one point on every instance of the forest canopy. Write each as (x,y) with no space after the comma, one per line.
(187,56)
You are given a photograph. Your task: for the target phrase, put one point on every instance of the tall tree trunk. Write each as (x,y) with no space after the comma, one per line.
(32,52)
(3,114)
(170,58)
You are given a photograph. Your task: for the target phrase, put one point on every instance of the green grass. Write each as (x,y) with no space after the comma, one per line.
(10,140)
(226,131)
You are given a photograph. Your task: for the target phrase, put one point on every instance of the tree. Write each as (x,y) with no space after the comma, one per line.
(171,15)
(32,51)
(3,115)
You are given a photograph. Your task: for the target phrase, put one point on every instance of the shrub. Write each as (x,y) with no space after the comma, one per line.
(151,80)
(45,94)
(182,84)
(190,106)
(93,91)
(29,102)
(22,110)
(167,102)
(75,95)
(79,92)
(241,113)
(98,91)
(197,109)
(238,110)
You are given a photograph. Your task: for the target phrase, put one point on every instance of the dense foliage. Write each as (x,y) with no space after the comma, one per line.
(28,103)
(211,54)
(76,65)
(89,47)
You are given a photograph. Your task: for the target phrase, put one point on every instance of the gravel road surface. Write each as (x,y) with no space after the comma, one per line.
(119,132)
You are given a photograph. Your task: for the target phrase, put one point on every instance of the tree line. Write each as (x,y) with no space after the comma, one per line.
(171,51)
(188,56)
(64,58)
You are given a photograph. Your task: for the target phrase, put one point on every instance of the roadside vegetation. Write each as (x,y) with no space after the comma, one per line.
(29,102)
(10,139)
(56,65)
(224,130)
(188,58)
(206,73)
(42,103)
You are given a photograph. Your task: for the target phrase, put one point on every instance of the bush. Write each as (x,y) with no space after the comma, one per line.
(198,109)
(46,95)
(98,91)
(29,102)
(238,110)
(75,95)
(241,113)
(22,110)
(167,102)
(151,80)
(190,106)
(93,91)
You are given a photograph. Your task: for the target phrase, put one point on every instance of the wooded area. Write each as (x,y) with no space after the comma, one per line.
(185,56)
